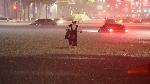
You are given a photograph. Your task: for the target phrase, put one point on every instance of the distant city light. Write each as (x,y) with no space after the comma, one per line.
(146,0)
(145,11)
(139,15)
(118,0)
(132,11)
(108,5)
(71,12)
(120,21)
(31,4)
(147,14)
(116,5)
(132,3)
(91,1)
(137,3)
(140,10)
(104,0)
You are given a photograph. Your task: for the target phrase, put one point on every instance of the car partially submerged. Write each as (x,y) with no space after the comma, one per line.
(44,22)
(114,27)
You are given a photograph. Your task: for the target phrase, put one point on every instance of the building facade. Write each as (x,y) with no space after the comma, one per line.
(34,9)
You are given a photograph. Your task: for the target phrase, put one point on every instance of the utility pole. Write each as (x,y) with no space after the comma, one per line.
(15,9)
(24,13)
(142,8)
(20,9)
(28,12)
(46,10)
(4,8)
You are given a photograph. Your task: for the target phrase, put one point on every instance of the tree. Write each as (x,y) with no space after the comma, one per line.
(38,4)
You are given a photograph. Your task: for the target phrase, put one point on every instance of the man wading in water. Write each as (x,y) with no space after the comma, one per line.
(71,34)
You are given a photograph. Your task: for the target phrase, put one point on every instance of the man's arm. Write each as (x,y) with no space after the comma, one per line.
(78,29)
(70,25)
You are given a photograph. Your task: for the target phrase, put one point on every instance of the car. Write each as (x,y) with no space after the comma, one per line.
(44,22)
(5,19)
(114,27)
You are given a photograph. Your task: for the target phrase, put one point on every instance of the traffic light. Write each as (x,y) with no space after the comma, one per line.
(15,7)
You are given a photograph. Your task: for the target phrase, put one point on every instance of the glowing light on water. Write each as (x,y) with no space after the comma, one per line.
(89,30)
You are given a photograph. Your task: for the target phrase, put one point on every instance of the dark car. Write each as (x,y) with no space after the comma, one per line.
(113,28)
(5,19)
(40,22)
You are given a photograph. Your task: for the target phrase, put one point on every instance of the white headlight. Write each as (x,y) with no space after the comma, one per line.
(126,30)
(60,22)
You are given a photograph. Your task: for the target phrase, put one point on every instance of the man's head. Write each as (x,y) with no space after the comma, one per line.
(74,22)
